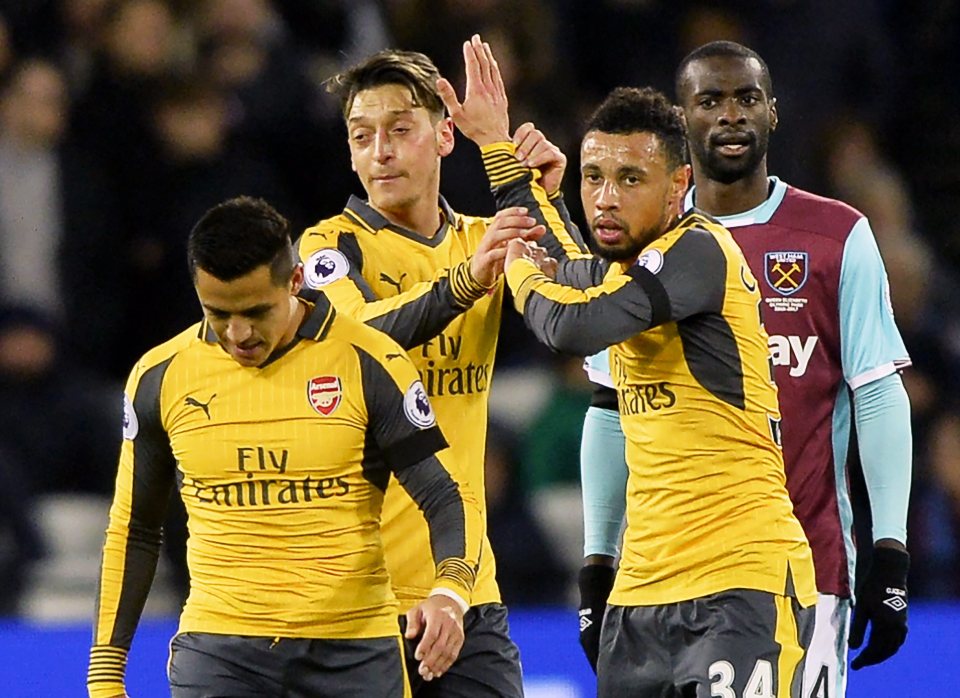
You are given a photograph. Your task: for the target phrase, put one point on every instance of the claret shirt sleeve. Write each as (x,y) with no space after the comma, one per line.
(404,428)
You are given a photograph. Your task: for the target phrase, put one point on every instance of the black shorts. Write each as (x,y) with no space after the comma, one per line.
(735,643)
(488,665)
(205,664)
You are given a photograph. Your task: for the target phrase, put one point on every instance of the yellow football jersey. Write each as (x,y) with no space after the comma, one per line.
(707,505)
(419,291)
(282,469)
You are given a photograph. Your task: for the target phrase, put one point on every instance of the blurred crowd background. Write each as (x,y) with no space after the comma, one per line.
(122,121)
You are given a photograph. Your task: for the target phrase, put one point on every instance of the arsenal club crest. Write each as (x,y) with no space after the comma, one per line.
(786,272)
(324,393)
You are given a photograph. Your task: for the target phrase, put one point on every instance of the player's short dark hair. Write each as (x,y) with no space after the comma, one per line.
(629,110)
(727,49)
(410,69)
(235,237)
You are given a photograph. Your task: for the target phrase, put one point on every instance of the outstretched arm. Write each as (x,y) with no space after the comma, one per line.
(511,164)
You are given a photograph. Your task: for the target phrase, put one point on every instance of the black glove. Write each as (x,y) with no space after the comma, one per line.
(595,582)
(881,602)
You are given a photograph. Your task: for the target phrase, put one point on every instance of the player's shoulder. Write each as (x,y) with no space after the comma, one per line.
(326,233)
(180,345)
(822,215)
(467,226)
(696,228)
(326,327)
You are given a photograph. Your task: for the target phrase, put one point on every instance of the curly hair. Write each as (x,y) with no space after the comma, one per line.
(643,109)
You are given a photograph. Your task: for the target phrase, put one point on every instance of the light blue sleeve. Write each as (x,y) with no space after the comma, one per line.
(871,346)
(603,474)
(882,411)
(597,367)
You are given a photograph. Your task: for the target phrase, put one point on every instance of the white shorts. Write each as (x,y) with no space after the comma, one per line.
(825,666)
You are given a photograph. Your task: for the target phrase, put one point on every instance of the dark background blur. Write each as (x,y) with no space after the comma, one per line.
(122,121)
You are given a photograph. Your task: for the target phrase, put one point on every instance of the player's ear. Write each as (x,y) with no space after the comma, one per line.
(296,279)
(445,139)
(774,116)
(680,181)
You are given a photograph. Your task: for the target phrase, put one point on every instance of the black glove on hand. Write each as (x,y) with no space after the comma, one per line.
(881,602)
(595,582)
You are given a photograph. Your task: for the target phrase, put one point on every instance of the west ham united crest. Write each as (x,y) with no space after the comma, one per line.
(324,393)
(786,272)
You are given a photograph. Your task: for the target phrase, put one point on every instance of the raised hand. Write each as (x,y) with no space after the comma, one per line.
(440,620)
(487,262)
(536,152)
(483,116)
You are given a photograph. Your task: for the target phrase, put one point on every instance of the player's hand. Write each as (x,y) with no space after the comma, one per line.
(533,252)
(595,582)
(440,620)
(536,152)
(483,117)
(881,602)
(488,259)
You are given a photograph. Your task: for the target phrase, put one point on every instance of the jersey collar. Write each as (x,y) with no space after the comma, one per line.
(364,215)
(756,216)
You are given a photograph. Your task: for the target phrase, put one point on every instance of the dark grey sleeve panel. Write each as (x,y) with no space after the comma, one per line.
(582,273)
(398,441)
(660,307)
(694,275)
(421,319)
(686,280)
(438,497)
(154,474)
(713,356)
(585,326)
(348,245)
(412,323)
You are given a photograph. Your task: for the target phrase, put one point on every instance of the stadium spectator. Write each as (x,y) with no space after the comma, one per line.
(58,213)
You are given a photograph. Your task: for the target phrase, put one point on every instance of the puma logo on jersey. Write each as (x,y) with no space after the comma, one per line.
(191,401)
(746,277)
(792,351)
(387,280)
(391,357)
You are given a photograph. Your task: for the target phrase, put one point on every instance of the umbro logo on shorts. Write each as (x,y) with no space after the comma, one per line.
(585,621)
